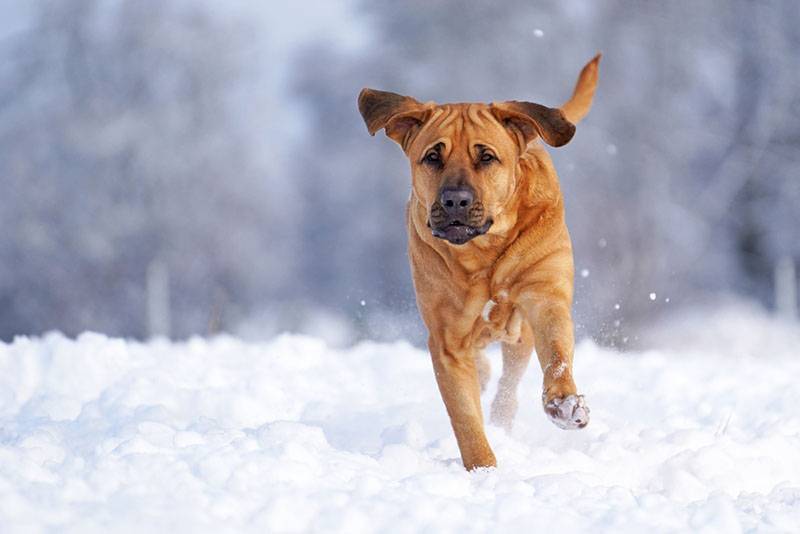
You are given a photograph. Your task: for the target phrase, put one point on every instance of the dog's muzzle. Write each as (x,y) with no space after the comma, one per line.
(458,234)
(457,216)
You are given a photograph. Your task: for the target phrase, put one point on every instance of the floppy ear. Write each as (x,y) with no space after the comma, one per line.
(530,120)
(397,114)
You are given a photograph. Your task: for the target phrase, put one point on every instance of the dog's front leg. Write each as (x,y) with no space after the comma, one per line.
(457,377)
(554,340)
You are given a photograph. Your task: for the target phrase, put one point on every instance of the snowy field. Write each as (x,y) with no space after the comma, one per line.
(104,435)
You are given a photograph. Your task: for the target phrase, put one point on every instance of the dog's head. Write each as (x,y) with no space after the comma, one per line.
(463,156)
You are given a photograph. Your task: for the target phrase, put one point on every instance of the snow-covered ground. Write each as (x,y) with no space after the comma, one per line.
(104,435)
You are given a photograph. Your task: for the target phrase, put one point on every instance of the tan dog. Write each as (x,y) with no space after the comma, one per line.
(490,253)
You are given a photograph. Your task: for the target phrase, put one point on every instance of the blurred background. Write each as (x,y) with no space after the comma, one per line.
(176,167)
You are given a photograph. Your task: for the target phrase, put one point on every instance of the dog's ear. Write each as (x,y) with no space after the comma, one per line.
(396,114)
(528,120)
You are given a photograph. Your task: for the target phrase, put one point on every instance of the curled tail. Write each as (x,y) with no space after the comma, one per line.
(579,104)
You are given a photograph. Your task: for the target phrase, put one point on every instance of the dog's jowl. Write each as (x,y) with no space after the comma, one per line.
(490,253)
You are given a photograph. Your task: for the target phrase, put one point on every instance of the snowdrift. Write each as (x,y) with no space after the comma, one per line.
(106,435)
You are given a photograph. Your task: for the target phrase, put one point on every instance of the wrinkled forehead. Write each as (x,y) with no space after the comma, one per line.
(459,126)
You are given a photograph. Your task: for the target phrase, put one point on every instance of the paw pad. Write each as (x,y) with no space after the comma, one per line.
(568,413)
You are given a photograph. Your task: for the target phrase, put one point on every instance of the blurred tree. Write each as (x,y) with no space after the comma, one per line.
(765,197)
(118,147)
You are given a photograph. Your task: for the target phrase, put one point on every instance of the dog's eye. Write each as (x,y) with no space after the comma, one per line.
(432,157)
(486,157)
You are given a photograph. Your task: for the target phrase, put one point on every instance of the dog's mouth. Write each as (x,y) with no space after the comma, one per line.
(458,232)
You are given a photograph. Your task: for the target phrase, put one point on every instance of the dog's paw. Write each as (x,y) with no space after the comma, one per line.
(568,413)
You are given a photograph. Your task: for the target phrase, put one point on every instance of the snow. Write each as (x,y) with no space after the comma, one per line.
(107,435)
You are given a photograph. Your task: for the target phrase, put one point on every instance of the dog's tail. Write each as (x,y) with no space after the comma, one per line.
(579,105)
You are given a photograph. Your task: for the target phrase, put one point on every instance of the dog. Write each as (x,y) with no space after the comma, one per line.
(491,257)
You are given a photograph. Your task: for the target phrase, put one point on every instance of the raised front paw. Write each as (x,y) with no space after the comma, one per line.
(504,320)
(569,412)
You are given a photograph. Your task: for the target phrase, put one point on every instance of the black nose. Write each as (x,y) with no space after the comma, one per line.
(455,199)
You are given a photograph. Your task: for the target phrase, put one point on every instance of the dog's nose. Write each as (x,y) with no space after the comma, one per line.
(455,199)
